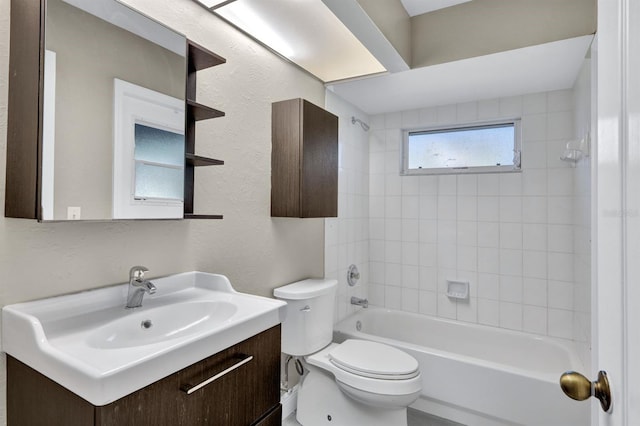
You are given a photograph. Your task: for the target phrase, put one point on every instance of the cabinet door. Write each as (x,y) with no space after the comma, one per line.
(36,400)
(319,169)
(236,398)
(304,160)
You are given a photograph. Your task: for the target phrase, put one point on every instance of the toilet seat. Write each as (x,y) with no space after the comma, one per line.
(374,360)
(408,385)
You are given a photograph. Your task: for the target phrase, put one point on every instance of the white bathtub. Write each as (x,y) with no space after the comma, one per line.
(478,375)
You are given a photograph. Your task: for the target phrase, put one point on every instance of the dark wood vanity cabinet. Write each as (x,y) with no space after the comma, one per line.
(247,395)
(304,160)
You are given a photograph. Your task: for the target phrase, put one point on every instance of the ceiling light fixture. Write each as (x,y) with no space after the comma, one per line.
(247,18)
(304,32)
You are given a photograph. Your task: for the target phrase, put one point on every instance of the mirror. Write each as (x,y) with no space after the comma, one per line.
(90,45)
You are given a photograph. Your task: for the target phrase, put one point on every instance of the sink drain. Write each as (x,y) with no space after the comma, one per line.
(146,324)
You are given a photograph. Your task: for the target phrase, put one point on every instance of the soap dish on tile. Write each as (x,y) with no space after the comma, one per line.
(458,289)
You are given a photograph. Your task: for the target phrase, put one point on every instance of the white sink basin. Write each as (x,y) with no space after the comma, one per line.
(161,324)
(89,343)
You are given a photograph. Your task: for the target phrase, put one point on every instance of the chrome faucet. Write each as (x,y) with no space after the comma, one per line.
(138,286)
(360,302)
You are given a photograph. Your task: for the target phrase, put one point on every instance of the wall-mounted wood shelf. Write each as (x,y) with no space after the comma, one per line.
(199,58)
(203,216)
(198,161)
(202,112)
(202,58)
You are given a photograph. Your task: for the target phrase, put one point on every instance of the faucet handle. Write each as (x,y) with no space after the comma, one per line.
(137,273)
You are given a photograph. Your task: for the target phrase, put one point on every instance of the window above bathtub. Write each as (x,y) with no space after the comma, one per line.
(486,147)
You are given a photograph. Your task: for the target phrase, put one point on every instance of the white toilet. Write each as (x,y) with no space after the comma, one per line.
(357,382)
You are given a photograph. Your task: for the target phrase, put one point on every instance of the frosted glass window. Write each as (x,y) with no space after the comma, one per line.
(158,182)
(158,146)
(479,148)
(159,159)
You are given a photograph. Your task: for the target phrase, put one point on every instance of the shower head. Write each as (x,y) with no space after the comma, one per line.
(364,125)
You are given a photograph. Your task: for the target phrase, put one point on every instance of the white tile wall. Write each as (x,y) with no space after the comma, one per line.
(512,235)
(521,239)
(347,237)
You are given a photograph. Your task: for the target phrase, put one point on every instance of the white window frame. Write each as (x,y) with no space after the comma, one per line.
(517,148)
(134,104)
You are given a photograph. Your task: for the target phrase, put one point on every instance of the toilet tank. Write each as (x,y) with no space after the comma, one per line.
(308,325)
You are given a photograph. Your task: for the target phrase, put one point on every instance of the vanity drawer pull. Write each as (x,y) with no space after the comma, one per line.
(189,389)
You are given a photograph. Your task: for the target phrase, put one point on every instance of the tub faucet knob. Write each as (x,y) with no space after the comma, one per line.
(353,275)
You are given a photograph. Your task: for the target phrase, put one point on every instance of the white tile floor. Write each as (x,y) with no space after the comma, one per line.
(414,418)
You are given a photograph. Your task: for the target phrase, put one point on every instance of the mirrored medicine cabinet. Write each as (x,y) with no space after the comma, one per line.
(97,110)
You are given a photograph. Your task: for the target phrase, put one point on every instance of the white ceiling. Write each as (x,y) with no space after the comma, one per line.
(418,7)
(551,66)
(309,34)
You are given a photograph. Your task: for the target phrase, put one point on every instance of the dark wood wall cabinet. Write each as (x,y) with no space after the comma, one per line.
(247,395)
(198,58)
(304,160)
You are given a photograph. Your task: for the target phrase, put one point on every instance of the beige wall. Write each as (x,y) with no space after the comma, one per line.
(482,27)
(90,53)
(393,21)
(256,252)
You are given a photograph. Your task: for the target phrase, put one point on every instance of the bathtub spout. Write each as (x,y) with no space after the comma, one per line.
(359,302)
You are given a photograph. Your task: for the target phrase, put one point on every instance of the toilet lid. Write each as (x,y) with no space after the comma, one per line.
(372,359)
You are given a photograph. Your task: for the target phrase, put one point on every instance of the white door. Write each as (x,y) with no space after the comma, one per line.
(616,283)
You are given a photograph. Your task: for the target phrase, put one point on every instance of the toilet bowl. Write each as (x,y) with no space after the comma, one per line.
(371,373)
(351,383)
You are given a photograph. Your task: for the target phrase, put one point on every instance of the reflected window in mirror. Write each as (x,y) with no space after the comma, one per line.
(149,153)
(159,163)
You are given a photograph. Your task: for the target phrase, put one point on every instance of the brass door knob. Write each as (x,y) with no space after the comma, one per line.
(578,387)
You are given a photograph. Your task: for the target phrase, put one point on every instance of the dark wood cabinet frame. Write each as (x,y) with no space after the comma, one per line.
(24,126)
